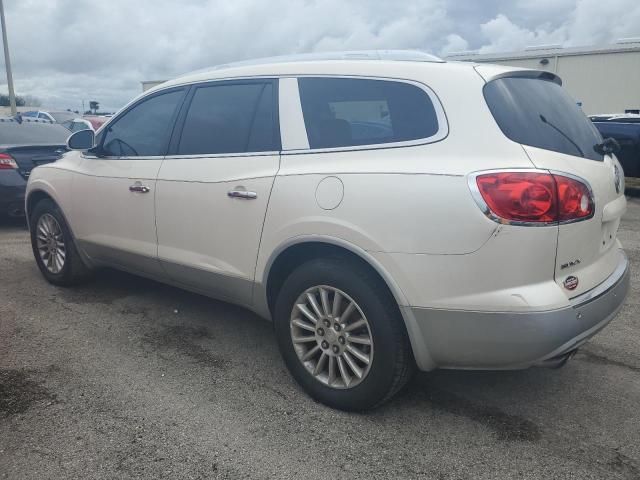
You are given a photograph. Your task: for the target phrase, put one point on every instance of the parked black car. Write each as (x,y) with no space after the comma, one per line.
(626,130)
(25,144)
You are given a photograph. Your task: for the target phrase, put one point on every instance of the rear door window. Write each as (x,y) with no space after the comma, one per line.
(345,112)
(230,118)
(540,113)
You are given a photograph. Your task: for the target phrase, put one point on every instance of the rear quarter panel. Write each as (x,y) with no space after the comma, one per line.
(411,201)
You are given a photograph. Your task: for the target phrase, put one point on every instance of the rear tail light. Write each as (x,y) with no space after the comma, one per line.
(7,162)
(575,201)
(533,197)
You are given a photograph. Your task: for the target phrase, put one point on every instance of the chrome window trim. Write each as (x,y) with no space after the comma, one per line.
(222,155)
(441,134)
(477,196)
(141,158)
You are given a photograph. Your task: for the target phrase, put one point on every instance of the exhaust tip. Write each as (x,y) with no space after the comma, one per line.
(558,361)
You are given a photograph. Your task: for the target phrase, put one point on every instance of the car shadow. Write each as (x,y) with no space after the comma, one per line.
(12,223)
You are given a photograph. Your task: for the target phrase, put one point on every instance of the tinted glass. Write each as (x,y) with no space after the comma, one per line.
(540,113)
(229,119)
(342,112)
(76,126)
(63,116)
(32,133)
(145,129)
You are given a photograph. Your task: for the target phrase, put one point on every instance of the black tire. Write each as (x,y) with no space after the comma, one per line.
(74,270)
(392,365)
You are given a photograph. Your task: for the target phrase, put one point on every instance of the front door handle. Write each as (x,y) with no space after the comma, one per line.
(139,188)
(242,194)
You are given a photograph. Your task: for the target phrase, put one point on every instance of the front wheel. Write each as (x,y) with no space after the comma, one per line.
(53,246)
(341,334)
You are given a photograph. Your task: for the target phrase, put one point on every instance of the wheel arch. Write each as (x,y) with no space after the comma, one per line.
(35,196)
(292,253)
(300,249)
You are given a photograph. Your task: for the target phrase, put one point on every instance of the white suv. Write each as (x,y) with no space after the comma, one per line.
(386,210)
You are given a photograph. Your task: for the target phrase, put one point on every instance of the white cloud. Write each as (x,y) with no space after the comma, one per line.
(64,51)
(504,35)
(455,43)
(586,22)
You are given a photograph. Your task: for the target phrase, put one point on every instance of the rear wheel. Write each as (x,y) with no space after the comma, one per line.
(341,334)
(53,246)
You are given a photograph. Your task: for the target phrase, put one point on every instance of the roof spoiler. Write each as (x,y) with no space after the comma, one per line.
(494,72)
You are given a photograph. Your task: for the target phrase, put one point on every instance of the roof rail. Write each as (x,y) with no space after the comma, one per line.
(397,55)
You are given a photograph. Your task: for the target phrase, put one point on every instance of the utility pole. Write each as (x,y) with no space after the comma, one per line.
(7,61)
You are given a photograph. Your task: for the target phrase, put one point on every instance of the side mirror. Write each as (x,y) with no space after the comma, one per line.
(81,140)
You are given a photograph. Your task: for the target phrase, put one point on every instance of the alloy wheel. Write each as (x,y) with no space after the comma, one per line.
(50,243)
(331,337)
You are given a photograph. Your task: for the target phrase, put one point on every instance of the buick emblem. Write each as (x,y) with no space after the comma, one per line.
(617,178)
(570,283)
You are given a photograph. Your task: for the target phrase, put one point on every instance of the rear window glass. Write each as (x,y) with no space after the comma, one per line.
(343,112)
(540,113)
(13,133)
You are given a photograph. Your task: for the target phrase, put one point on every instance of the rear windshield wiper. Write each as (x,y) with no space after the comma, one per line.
(569,139)
(607,147)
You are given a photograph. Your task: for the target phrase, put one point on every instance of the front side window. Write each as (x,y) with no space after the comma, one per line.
(145,129)
(229,118)
(344,112)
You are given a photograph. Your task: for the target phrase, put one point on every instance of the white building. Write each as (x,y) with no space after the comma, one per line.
(147,84)
(604,79)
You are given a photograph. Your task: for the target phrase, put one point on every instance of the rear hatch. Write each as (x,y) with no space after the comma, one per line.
(534,110)
(29,157)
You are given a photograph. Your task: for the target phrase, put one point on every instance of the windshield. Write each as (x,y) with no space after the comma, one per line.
(27,133)
(540,113)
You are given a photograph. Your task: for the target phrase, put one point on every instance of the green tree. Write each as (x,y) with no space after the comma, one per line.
(4,101)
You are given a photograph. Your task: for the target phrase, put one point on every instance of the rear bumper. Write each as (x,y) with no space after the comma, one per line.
(12,190)
(513,340)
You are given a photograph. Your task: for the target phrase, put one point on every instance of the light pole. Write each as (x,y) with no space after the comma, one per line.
(7,61)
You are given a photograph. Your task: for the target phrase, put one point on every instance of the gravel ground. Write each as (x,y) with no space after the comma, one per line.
(127,378)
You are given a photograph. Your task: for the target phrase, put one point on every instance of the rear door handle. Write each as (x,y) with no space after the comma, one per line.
(139,188)
(242,194)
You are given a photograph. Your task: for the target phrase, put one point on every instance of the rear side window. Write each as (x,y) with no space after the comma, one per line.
(230,118)
(540,113)
(344,112)
(145,129)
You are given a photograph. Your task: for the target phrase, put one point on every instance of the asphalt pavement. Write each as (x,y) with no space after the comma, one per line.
(128,378)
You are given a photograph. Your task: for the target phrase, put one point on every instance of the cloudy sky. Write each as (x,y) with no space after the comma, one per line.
(64,51)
